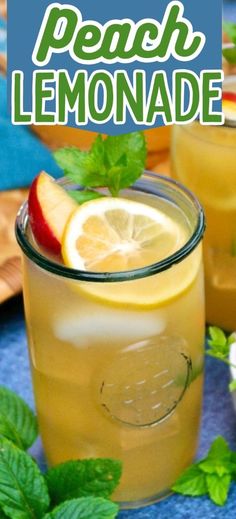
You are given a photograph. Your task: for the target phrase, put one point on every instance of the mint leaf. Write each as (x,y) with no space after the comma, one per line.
(85,508)
(231,338)
(217,336)
(233,461)
(229,54)
(84,196)
(121,177)
(232,385)
(97,151)
(114,163)
(17,421)
(219,459)
(230,29)
(219,449)
(218,468)
(218,342)
(218,488)
(220,348)
(23,492)
(97,477)
(192,482)
(130,145)
(80,166)
(212,475)
(125,155)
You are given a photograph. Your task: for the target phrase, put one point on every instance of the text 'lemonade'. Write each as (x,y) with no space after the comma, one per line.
(117,346)
(203,158)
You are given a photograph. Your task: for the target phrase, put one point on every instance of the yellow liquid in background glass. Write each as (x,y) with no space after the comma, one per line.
(117,368)
(204,159)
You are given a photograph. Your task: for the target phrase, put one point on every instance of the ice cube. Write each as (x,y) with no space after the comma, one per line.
(108,326)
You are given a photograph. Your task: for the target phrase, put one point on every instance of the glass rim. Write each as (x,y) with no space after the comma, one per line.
(126,275)
(189,128)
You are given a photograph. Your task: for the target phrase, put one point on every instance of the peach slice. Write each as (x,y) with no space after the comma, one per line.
(49,209)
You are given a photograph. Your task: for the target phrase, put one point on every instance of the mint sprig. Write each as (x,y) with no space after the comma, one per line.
(210,476)
(219,344)
(26,493)
(17,421)
(219,459)
(114,163)
(85,508)
(74,479)
(232,385)
(23,491)
(219,347)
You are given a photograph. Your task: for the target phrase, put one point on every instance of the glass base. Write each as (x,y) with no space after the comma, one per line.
(129,505)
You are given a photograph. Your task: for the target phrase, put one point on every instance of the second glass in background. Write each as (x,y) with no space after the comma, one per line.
(204,159)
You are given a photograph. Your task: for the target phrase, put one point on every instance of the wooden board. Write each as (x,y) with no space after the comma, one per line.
(10,255)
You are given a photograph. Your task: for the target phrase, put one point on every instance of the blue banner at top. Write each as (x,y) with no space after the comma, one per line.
(115,67)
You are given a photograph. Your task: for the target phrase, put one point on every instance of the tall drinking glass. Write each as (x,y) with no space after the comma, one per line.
(117,357)
(204,159)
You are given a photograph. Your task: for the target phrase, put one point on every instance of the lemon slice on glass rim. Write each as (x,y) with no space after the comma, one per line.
(118,235)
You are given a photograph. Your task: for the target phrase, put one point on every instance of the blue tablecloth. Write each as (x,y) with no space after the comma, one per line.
(218,416)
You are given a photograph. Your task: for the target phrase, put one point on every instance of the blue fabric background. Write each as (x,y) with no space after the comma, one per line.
(3,36)
(22,156)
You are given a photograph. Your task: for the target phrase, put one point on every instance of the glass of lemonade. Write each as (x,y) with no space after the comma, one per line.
(204,158)
(117,356)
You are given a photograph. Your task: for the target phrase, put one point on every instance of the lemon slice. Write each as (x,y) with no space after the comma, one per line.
(115,234)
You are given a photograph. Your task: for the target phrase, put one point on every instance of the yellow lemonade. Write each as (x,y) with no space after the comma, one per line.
(117,357)
(204,158)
